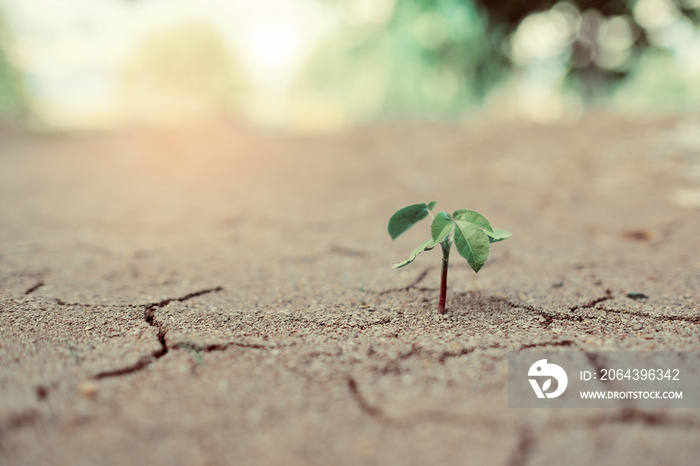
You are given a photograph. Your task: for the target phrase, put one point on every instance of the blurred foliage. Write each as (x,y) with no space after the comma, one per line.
(12,98)
(671,90)
(438,57)
(591,21)
(184,68)
(430,55)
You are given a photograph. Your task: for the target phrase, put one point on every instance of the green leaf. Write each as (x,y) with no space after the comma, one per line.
(427,246)
(431,205)
(497,235)
(441,227)
(472,217)
(405,218)
(472,243)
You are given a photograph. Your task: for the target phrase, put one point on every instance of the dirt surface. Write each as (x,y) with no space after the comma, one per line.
(225,296)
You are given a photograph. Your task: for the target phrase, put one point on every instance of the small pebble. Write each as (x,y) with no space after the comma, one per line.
(88,389)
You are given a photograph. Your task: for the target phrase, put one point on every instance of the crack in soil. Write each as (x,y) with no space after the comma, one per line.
(527,440)
(382,321)
(362,402)
(32,289)
(142,363)
(61,302)
(590,304)
(215,347)
(633,415)
(413,284)
(19,420)
(409,421)
(454,354)
(197,350)
(690,319)
(393,365)
(150,311)
(594,359)
(549,318)
(548,343)
(628,416)
(523,449)
(149,316)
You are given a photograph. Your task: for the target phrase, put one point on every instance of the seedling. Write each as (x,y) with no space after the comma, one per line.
(469,231)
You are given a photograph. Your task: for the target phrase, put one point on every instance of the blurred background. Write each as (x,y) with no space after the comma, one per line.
(319,65)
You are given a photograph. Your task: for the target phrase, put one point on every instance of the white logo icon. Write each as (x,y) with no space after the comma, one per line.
(542,369)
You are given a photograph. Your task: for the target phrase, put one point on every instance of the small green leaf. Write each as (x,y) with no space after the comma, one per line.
(497,235)
(431,205)
(427,246)
(405,218)
(472,243)
(441,227)
(472,217)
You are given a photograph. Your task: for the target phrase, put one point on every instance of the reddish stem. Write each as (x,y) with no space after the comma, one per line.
(443,279)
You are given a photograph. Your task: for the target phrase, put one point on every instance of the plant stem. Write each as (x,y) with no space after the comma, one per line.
(443,280)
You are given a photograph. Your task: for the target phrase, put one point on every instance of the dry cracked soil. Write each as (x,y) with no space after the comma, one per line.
(220,295)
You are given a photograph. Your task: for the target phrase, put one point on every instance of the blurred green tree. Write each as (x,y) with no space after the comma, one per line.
(13,104)
(605,37)
(430,58)
(184,69)
(435,57)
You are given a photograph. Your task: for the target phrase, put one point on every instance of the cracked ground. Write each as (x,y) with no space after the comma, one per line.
(224,296)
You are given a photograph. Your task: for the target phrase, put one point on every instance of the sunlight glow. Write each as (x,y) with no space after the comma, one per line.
(77,54)
(273,42)
(543,36)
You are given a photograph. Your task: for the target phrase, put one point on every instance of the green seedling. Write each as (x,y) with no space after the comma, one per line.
(469,231)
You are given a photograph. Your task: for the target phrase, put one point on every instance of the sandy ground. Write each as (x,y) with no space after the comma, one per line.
(225,296)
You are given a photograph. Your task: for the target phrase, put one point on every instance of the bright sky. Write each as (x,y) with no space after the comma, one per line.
(73,51)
